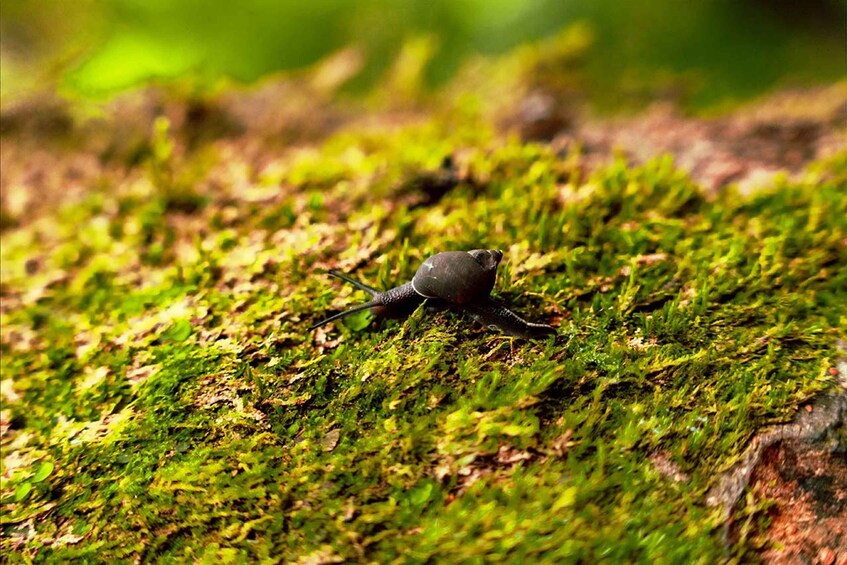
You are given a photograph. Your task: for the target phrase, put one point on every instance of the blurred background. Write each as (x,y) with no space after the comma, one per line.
(703,54)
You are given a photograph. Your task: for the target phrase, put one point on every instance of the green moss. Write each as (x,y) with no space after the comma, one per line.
(162,366)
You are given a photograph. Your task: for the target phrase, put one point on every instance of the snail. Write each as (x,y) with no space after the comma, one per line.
(461,279)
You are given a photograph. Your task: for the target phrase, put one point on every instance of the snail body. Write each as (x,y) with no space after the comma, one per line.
(461,279)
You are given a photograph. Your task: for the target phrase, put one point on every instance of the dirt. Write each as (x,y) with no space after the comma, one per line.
(807,485)
(748,146)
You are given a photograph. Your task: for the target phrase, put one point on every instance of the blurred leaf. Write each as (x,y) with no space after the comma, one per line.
(421,494)
(330,440)
(22,491)
(179,331)
(43,471)
(359,321)
(566,500)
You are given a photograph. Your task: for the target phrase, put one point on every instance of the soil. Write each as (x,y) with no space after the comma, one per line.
(807,485)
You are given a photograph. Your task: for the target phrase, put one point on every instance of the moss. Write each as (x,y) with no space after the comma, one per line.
(159,361)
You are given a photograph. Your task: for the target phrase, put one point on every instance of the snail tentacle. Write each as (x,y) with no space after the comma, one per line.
(344,314)
(393,303)
(360,285)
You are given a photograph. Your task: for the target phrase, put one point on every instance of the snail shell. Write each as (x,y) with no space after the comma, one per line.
(459,277)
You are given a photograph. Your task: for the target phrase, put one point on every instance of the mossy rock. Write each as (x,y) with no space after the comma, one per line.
(163,400)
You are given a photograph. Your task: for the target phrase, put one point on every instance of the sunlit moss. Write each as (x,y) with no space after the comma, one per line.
(158,358)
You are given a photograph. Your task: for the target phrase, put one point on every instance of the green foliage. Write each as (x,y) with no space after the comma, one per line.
(701,52)
(166,402)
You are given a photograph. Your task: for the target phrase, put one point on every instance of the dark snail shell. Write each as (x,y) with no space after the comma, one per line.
(459,277)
